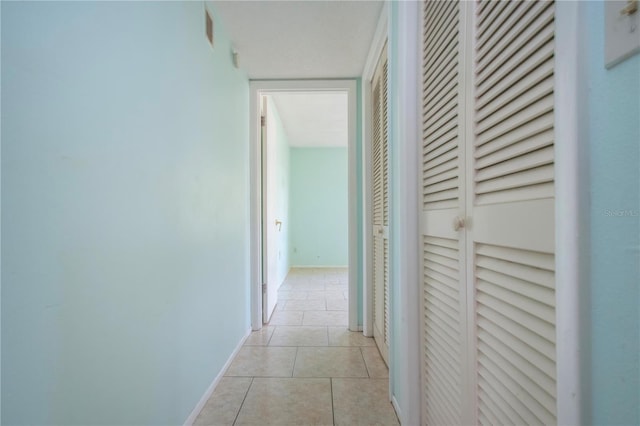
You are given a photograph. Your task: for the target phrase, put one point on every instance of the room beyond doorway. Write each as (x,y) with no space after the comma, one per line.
(336,125)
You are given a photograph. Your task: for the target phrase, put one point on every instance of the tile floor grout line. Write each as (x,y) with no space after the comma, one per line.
(333,409)
(271,335)
(293,370)
(292,327)
(365,362)
(243,400)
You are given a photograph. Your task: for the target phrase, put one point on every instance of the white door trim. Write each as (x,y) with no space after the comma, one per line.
(404,353)
(257,88)
(379,40)
(571,212)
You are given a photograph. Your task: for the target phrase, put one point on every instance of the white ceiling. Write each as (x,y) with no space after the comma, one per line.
(314,119)
(303,39)
(300,39)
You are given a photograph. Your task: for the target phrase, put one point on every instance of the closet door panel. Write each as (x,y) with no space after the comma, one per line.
(380,172)
(487,213)
(443,303)
(512,209)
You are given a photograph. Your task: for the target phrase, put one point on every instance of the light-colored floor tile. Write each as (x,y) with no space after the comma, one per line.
(316,295)
(341,336)
(329,318)
(329,362)
(375,364)
(284,373)
(285,287)
(224,404)
(336,281)
(292,295)
(287,402)
(303,272)
(299,336)
(337,305)
(286,318)
(263,361)
(260,337)
(305,305)
(308,286)
(336,272)
(362,402)
(300,278)
(336,287)
(334,294)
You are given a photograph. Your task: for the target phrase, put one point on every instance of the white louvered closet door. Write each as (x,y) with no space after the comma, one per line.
(443,323)
(511,201)
(488,331)
(380,161)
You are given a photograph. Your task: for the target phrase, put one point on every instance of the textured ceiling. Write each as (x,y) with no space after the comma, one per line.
(314,119)
(300,39)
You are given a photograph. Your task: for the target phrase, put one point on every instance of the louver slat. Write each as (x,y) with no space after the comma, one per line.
(442,335)
(513,154)
(529,34)
(514,157)
(441,332)
(493,33)
(499,95)
(376,151)
(440,105)
(516,333)
(385,152)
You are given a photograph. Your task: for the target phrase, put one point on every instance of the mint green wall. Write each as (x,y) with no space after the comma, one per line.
(125,223)
(613,126)
(281,195)
(319,216)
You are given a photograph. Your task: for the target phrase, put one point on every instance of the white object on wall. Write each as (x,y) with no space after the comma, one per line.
(622,31)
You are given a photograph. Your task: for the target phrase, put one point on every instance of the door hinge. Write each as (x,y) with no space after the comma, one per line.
(264,287)
(262,121)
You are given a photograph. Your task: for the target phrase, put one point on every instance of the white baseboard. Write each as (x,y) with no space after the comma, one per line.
(207,394)
(397,408)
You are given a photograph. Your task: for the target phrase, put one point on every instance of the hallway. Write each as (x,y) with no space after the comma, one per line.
(305,367)
(497,263)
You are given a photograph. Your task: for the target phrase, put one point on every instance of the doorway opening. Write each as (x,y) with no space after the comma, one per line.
(308,241)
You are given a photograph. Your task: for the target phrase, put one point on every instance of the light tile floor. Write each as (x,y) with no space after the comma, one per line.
(305,367)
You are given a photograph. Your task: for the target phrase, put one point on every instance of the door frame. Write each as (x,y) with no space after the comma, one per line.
(264,87)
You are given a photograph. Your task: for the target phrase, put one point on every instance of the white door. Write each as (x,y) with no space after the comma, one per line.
(443,256)
(270,227)
(489,344)
(380,214)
